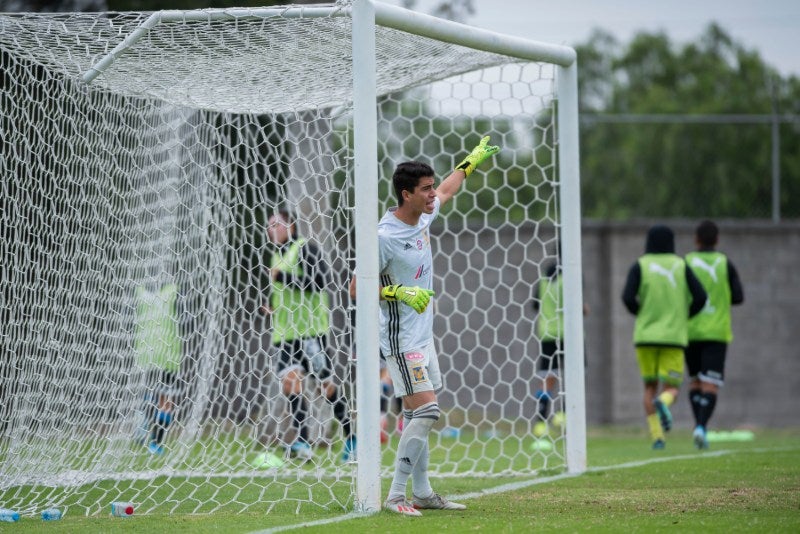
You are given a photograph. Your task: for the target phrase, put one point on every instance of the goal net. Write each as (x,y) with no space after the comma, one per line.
(142,158)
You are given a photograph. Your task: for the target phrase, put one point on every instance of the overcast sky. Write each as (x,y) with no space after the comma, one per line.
(772,27)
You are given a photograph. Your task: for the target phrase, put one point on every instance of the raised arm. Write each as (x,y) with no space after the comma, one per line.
(450,185)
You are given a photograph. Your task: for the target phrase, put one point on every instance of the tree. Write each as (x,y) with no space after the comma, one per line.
(689,168)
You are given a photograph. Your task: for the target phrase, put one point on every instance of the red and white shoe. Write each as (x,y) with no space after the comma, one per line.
(400,505)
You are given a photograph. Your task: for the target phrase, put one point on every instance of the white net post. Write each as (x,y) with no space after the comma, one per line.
(147,151)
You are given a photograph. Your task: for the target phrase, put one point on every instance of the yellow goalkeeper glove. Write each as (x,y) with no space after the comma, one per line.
(413,296)
(478,155)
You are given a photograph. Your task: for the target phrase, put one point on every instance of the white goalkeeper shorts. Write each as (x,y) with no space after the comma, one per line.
(415,371)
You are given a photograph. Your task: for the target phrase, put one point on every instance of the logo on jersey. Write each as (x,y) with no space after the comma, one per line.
(421,271)
(408,246)
(668,274)
(419,244)
(710,269)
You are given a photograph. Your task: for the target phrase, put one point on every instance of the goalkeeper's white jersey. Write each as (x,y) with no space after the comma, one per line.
(404,256)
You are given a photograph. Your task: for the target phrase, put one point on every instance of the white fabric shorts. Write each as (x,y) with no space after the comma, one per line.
(415,371)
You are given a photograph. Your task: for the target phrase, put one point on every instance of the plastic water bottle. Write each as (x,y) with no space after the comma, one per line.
(9,516)
(121,509)
(51,514)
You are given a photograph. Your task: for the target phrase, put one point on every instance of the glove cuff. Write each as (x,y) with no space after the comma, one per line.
(390,292)
(466,166)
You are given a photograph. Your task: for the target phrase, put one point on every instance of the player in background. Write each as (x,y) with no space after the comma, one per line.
(662,292)
(710,330)
(300,312)
(548,303)
(406,322)
(158,349)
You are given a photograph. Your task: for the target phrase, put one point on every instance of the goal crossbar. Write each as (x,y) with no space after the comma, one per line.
(385,15)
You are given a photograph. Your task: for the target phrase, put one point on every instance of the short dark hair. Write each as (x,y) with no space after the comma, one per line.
(407,175)
(707,233)
(288,216)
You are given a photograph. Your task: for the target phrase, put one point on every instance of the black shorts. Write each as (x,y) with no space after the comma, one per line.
(705,360)
(309,354)
(552,357)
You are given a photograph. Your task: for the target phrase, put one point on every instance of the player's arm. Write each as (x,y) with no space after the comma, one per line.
(451,185)
(631,289)
(735,283)
(412,296)
(699,295)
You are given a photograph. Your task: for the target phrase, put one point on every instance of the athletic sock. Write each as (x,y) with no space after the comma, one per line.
(667,398)
(421,484)
(341,413)
(708,401)
(654,423)
(694,401)
(298,404)
(412,445)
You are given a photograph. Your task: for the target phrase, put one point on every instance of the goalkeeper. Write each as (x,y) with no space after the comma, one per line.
(406,319)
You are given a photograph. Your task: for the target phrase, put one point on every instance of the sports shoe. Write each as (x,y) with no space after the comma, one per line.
(700,440)
(400,505)
(559,419)
(349,451)
(155,448)
(436,502)
(302,450)
(663,414)
(659,445)
(267,460)
(540,429)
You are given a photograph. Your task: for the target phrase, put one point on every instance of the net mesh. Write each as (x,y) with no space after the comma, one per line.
(135,262)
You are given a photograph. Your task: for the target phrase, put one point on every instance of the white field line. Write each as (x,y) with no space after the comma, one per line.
(532,482)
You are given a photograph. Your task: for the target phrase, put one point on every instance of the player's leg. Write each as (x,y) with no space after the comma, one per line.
(712,378)
(165,410)
(543,395)
(670,374)
(415,375)
(318,363)
(411,379)
(647,359)
(693,359)
(149,408)
(291,374)
(386,397)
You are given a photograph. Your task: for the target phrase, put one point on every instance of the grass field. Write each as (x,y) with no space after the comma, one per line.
(735,487)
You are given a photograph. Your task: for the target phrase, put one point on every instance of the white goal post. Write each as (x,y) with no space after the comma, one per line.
(142,157)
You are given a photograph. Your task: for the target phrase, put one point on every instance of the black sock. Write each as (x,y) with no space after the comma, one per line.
(298,404)
(694,401)
(341,413)
(709,401)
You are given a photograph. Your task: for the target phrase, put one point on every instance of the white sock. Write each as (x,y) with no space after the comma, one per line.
(421,485)
(413,443)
